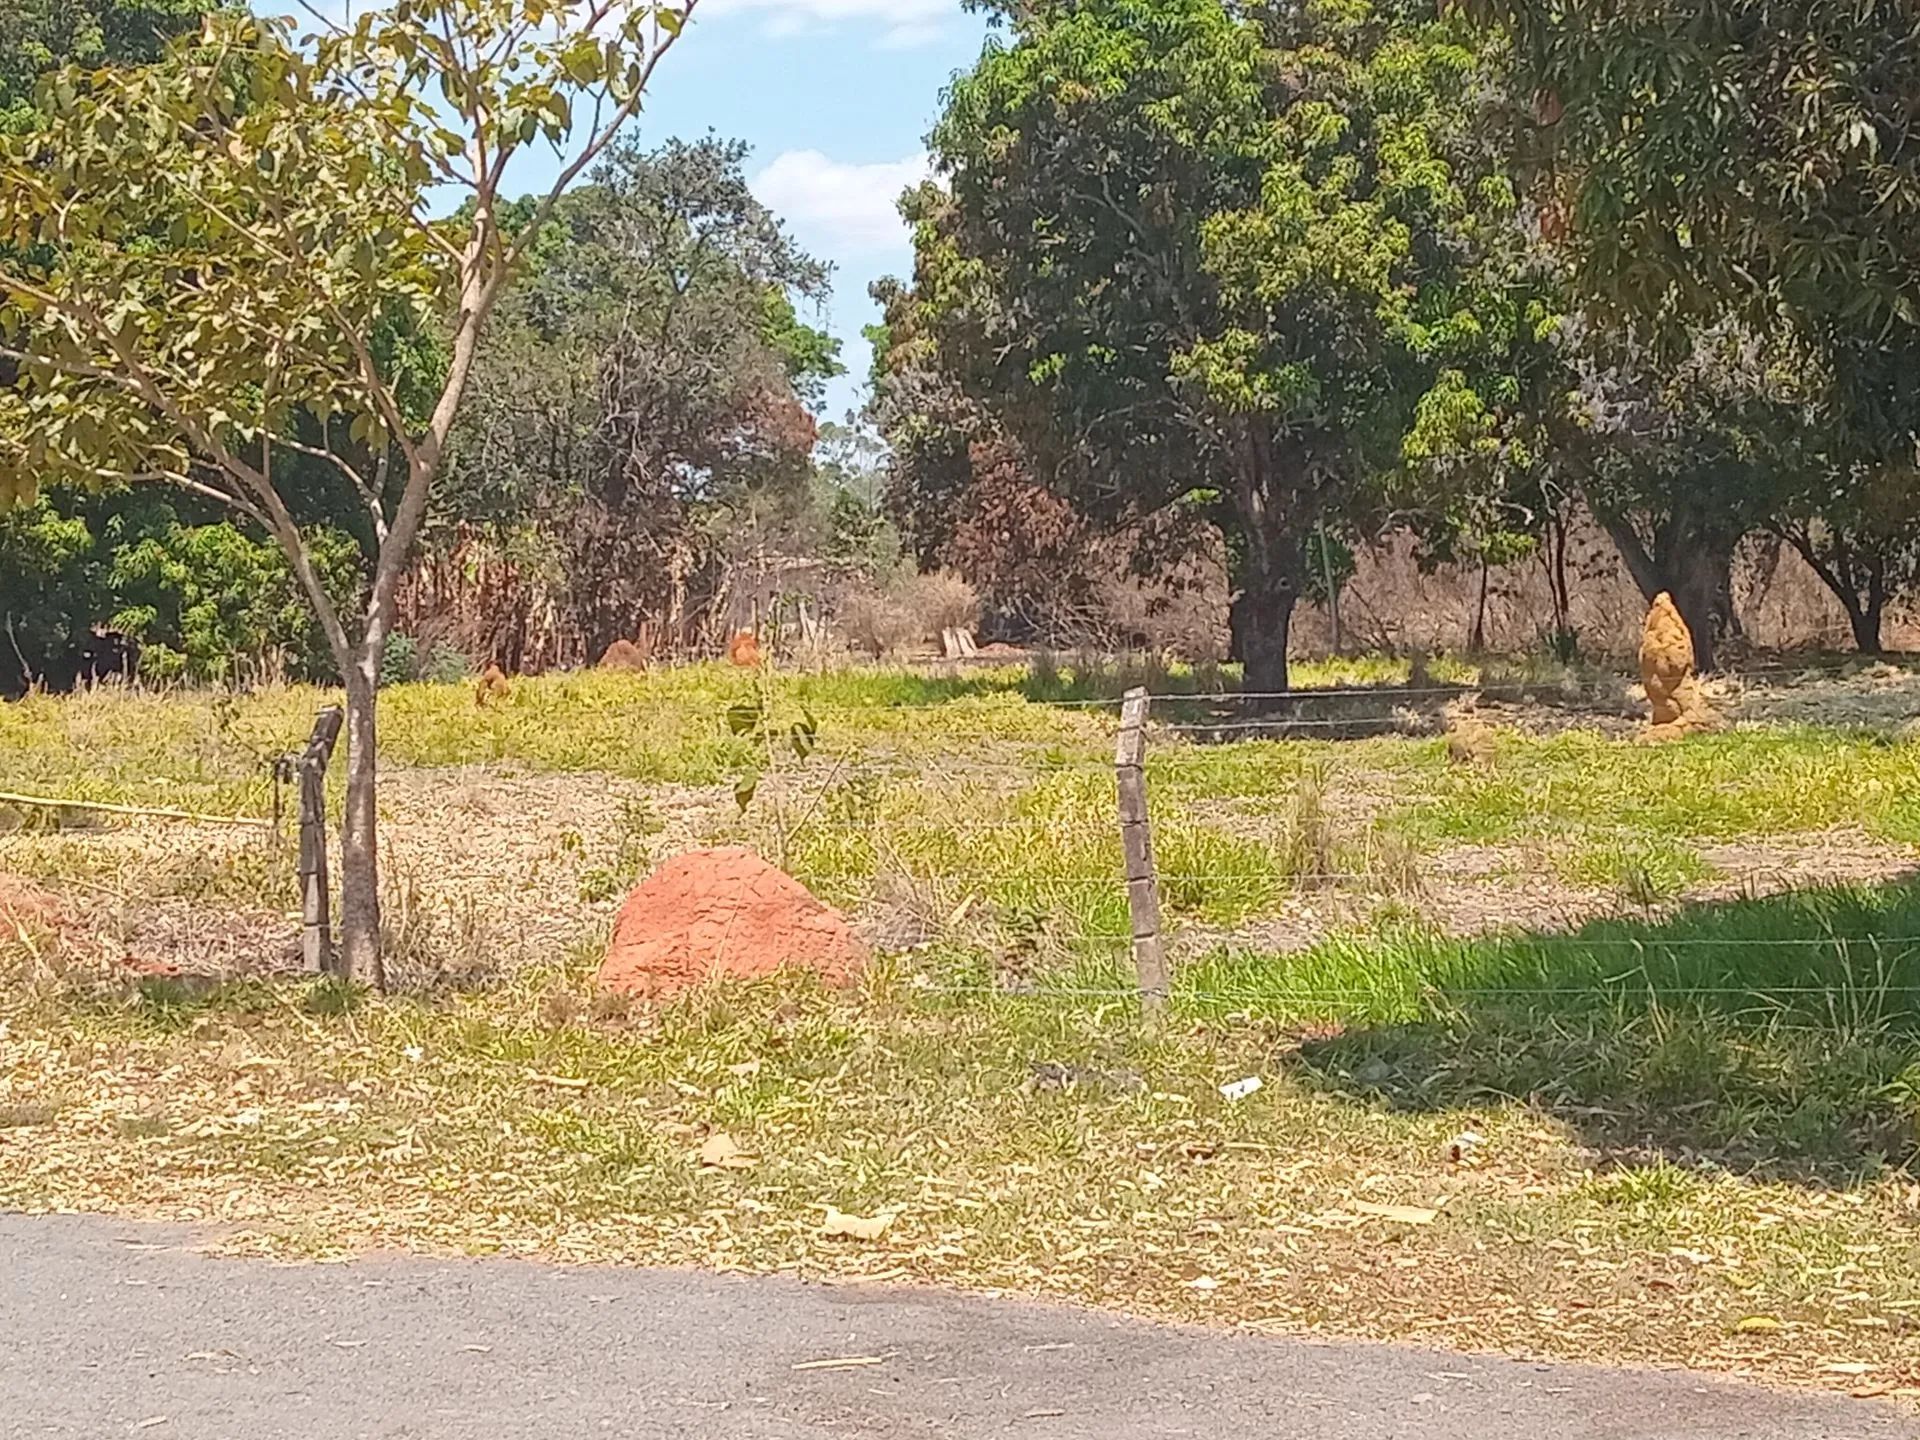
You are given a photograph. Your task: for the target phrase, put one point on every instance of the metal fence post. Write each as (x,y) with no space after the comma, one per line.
(1136,842)
(316,933)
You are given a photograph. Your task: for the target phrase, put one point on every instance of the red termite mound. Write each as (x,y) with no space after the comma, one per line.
(711,913)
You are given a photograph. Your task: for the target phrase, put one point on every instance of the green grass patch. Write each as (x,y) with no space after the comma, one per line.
(1711,787)
(1642,870)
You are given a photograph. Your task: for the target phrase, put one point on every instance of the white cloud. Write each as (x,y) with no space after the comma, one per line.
(839,208)
(901,23)
(895,24)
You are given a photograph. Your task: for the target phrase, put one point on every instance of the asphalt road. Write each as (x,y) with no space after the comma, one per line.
(109,1328)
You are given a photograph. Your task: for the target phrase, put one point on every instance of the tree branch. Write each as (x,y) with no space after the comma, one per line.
(369,496)
(140,381)
(377,390)
(600,138)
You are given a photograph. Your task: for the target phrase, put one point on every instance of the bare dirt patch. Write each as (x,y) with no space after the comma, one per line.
(497,868)
(1474,890)
(487,869)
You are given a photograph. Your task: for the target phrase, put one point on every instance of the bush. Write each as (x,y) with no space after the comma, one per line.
(399,660)
(877,621)
(405,660)
(198,600)
(1165,617)
(940,602)
(445,665)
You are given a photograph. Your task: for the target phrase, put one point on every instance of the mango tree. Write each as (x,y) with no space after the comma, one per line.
(1250,258)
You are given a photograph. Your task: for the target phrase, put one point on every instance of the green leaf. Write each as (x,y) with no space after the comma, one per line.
(801,741)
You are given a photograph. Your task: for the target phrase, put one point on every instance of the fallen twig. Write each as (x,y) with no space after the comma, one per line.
(143,811)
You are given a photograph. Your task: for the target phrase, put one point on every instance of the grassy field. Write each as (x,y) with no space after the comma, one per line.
(1585,1049)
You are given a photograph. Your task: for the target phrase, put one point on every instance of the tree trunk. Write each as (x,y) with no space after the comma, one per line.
(1477,641)
(1273,573)
(1559,585)
(1691,559)
(1276,510)
(1857,578)
(1864,617)
(1701,584)
(1264,614)
(360,949)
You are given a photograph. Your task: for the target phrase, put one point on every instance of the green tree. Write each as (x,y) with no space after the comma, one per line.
(59,559)
(50,575)
(1755,159)
(41,35)
(207,601)
(1254,258)
(930,425)
(1730,151)
(226,252)
(641,395)
(1681,455)
(199,597)
(1854,514)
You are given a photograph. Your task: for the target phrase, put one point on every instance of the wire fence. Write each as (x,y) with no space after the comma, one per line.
(1291,889)
(981,836)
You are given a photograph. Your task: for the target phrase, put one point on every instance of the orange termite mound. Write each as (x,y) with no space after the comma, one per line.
(744,650)
(709,914)
(491,686)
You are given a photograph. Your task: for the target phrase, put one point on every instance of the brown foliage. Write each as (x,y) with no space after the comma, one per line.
(1023,548)
(942,601)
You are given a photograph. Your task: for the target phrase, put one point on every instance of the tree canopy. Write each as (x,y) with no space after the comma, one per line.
(1731,149)
(643,384)
(1257,260)
(37,36)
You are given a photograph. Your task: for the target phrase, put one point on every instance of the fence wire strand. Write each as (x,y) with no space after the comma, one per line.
(1272,924)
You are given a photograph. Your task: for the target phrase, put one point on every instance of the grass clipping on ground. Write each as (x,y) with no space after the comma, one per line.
(1019,1145)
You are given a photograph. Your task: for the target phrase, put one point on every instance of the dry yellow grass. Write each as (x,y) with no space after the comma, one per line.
(1015,1145)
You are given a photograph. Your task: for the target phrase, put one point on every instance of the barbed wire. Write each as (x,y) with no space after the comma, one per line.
(1277,723)
(1298,880)
(1420,990)
(1533,940)
(1572,689)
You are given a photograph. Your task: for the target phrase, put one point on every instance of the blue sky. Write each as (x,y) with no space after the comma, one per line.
(835,97)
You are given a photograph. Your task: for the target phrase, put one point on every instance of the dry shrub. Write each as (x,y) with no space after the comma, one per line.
(624,655)
(1045,672)
(1024,547)
(942,601)
(431,944)
(32,933)
(877,621)
(1307,855)
(1393,863)
(1165,615)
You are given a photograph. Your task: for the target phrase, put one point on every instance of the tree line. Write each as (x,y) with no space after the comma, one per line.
(1304,272)
(640,402)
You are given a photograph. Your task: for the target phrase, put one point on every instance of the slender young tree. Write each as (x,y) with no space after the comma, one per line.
(224,264)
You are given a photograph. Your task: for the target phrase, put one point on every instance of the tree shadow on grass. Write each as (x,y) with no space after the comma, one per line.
(1778,1036)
